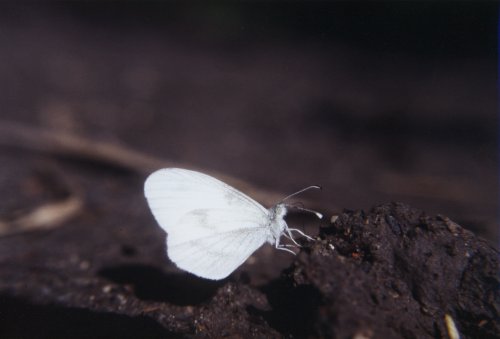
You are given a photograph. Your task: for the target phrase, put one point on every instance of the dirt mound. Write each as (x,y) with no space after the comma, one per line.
(392,272)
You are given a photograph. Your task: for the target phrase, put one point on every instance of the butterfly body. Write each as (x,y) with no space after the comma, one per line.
(277,223)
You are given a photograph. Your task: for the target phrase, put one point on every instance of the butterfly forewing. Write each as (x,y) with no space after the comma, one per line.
(174,192)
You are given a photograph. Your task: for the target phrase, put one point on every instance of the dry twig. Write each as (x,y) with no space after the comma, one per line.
(47,216)
(64,144)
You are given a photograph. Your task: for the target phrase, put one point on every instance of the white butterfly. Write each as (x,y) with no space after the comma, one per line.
(212,227)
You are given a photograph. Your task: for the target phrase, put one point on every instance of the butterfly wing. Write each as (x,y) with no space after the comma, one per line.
(212,243)
(212,227)
(174,192)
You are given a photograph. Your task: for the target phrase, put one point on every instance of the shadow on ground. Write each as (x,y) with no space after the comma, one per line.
(150,283)
(21,319)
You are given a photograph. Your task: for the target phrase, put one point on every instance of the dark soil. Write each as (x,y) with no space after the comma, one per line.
(395,272)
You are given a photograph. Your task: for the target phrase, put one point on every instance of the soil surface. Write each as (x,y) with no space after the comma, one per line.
(391,272)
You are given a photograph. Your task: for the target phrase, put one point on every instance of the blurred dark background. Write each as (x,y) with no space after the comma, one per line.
(376,102)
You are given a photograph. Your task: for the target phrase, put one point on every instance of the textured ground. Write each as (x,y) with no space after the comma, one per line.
(391,272)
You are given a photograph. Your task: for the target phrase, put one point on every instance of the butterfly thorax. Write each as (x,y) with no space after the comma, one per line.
(277,223)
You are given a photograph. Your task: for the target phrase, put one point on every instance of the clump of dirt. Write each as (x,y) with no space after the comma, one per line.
(396,272)
(392,272)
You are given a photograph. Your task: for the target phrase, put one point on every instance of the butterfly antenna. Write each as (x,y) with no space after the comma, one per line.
(302,190)
(319,215)
(297,204)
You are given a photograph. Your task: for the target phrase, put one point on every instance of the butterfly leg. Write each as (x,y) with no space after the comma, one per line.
(283,247)
(289,245)
(299,232)
(289,236)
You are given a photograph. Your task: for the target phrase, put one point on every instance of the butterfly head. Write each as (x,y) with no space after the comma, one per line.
(278,211)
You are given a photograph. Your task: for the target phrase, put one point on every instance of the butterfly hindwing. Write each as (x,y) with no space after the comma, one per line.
(218,241)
